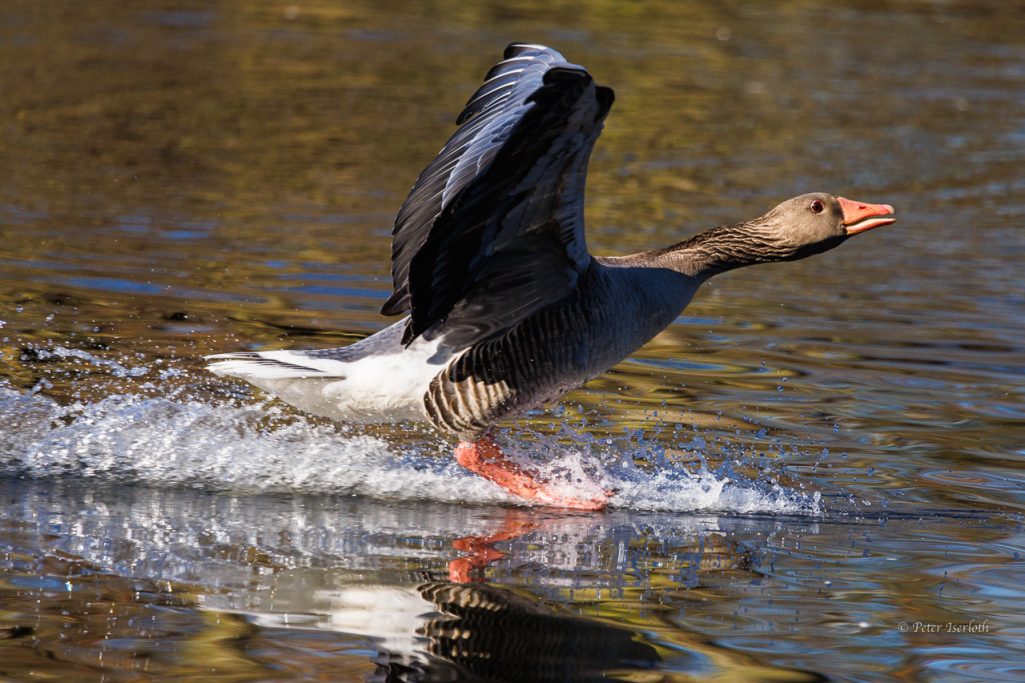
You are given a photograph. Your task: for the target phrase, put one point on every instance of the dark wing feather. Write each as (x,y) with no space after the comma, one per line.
(493,229)
(511,80)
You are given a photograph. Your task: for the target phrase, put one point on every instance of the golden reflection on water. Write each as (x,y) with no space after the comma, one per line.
(282,606)
(191,177)
(362,590)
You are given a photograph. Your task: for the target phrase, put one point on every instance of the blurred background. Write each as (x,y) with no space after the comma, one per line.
(813,453)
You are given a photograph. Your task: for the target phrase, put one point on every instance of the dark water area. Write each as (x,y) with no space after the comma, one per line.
(820,466)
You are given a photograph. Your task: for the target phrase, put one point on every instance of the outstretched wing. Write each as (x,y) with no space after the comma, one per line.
(493,229)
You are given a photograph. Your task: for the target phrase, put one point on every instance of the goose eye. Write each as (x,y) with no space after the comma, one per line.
(816,206)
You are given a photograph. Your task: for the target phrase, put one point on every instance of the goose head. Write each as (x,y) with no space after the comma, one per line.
(799,227)
(814,222)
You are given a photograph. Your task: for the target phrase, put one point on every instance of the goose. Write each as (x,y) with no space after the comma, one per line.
(504,309)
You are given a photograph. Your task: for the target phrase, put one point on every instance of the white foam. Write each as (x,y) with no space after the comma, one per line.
(191,443)
(585,471)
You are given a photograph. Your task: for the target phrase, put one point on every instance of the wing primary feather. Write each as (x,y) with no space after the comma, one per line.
(492,231)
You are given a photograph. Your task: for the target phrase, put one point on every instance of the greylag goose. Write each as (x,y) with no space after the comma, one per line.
(504,308)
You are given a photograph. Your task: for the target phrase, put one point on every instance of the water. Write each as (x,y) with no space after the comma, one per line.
(818,467)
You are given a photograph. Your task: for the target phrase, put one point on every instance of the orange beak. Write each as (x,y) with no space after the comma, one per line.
(859,216)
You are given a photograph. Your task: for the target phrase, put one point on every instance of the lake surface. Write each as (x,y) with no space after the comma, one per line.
(820,467)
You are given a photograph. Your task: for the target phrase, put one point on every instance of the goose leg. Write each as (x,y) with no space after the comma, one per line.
(485,458)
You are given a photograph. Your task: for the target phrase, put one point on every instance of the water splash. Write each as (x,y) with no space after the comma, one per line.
(165,442)
(165,435)
(657,484)
(115,368)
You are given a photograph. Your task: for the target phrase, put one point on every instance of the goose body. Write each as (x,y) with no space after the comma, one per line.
(504,308)
(464,391)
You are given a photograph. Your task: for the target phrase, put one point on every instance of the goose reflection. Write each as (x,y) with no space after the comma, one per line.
(481,631)
(490,633)
(463,628)
(411,593)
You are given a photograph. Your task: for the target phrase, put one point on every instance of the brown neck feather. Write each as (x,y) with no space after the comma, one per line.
(720,249)
(731,246)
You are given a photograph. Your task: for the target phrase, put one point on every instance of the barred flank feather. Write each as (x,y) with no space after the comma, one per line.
(524,368)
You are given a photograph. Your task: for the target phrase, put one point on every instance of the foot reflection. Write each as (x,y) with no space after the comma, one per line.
(481,548)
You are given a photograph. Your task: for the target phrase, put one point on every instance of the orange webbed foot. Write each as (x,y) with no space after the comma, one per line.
(485,458)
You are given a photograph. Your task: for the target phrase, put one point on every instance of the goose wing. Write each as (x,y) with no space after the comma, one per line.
(493,229)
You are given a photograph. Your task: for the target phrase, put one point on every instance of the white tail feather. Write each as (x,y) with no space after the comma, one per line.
(275,365)
(377,379)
